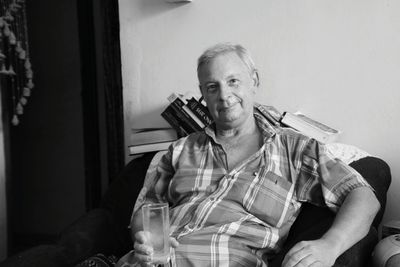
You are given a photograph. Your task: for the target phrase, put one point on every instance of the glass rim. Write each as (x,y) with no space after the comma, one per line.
(155,205)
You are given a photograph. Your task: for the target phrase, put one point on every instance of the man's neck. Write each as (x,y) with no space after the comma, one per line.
(250,127)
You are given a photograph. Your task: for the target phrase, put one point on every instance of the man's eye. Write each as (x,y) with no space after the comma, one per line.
(211,88)
(233,82)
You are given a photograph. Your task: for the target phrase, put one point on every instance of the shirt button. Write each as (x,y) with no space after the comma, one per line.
(211,188)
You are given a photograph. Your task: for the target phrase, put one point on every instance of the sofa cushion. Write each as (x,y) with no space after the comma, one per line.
(43,256)
(92,233)
(121,196)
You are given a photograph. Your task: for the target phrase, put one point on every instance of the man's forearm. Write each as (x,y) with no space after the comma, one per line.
(353,219)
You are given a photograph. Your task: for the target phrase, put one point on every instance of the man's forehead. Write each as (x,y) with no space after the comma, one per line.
(227,63)
(226,57)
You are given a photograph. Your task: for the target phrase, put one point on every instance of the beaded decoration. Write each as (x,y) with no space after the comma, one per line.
(15,63)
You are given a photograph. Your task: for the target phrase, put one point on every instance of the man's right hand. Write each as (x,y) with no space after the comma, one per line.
(144,250)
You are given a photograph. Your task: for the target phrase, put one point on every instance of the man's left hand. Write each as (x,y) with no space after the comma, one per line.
(315,253)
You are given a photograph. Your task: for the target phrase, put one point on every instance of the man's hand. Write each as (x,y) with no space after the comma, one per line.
(144,250)
(315,253)
(351,224)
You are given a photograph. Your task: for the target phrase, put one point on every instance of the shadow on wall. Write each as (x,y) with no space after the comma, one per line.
(151,118)
(150,8)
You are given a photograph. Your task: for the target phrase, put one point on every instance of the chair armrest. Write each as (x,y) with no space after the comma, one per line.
(356,256)
(42,255)
(377,173)
(359,255)
(125,188)
(94,232)
(314,221)
(104,230)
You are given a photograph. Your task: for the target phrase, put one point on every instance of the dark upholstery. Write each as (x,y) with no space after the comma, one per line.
(104,230)
(314,221)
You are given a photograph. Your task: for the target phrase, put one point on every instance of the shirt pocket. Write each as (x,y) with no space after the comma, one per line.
(269,197)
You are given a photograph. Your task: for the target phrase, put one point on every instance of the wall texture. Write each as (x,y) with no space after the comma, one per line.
(336,61)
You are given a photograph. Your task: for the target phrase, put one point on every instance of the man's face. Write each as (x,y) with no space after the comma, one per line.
(228,88)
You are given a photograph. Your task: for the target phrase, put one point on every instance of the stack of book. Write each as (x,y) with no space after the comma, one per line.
(151,139)
(186,114)
(310,127)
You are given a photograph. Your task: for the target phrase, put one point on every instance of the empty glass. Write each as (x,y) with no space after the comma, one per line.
(156,228)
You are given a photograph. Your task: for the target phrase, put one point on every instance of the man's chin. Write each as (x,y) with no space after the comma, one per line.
(227,122)
(228,113)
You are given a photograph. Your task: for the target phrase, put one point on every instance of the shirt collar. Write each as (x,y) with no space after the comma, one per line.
(266,128)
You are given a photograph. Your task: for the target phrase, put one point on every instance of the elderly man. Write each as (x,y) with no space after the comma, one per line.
(236,188)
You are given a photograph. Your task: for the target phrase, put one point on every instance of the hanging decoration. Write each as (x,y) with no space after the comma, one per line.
(15,63)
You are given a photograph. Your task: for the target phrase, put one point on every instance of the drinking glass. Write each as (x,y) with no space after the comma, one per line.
(156,228)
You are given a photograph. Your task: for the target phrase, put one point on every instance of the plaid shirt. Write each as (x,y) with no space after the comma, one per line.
(237,217)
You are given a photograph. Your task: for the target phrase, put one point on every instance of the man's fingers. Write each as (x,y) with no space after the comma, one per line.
(143,258)
(297,254)
(142,249)
(141,237)
(307,260)
(174,243)
(316,264)
(307,253)
(299,246)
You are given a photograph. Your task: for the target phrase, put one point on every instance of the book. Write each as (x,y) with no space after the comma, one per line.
(179,104)
(310,127)
(153,135)
(143,148)
(177,121)
(200,111)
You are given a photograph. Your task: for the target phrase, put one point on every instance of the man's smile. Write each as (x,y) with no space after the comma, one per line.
(228,106)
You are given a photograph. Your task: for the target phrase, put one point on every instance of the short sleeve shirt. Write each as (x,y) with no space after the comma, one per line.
(236,217)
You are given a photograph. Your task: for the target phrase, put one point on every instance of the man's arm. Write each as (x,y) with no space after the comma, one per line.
(154,191)
(351,224)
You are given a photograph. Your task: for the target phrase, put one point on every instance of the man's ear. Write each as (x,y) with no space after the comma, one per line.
(255,78)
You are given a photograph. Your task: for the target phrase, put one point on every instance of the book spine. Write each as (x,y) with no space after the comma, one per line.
(183,114)
(169,115)
(316,124)
(306,128)
(181,119)
(200,111)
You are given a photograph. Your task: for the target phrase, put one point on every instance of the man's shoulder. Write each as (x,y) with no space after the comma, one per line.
(290,133)
(193,139)
(292,140)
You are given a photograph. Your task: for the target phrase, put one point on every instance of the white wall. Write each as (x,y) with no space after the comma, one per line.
(338,61)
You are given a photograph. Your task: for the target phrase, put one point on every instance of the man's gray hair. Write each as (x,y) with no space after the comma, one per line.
(224,48)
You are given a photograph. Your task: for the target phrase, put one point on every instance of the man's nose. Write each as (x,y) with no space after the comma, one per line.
(224,92)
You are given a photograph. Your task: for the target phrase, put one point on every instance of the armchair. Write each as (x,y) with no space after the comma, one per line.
(104,230)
